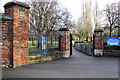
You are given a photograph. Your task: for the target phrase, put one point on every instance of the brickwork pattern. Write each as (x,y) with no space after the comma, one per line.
(98,42)
(20,39)
(65,40)
(6,43)
(15,37)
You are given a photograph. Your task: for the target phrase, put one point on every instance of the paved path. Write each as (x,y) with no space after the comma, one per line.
(79,66)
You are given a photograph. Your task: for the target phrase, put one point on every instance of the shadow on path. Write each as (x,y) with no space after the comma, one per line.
(79,66)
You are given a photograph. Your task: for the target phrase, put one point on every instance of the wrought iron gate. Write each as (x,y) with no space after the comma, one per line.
(70,45)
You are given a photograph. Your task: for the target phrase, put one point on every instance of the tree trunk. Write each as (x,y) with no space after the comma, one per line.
(79,38)
(51,41)
(33,42)
(91,39)
(86,39)
(118,32)
(38,45)
(110,31)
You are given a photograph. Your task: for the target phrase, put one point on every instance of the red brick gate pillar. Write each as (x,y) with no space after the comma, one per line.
(6,41)
(65,42)
(19,31)
(98,42)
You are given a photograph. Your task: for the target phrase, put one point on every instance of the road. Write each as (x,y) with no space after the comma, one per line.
(79,66)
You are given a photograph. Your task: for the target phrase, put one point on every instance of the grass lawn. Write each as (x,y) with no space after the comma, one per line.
(33,50)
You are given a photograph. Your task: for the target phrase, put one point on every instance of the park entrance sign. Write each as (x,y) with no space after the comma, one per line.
(113,41)
(43,44)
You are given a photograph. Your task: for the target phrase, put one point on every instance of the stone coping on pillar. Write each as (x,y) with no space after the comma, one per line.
(63,29)
(17,3)
(98,30)
(5,17)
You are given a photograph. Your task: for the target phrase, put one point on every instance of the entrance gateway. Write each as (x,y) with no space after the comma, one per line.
(15,36)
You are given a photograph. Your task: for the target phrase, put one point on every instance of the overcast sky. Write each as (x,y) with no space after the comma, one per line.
(74,6)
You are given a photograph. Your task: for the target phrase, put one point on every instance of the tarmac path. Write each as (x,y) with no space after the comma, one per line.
(79,66)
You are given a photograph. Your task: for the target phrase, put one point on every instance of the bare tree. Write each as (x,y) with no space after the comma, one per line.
(46,17)
(81,30)
(111,12)
(97,16)
(119,18)
(87,19)
(84,23)
(42,16)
